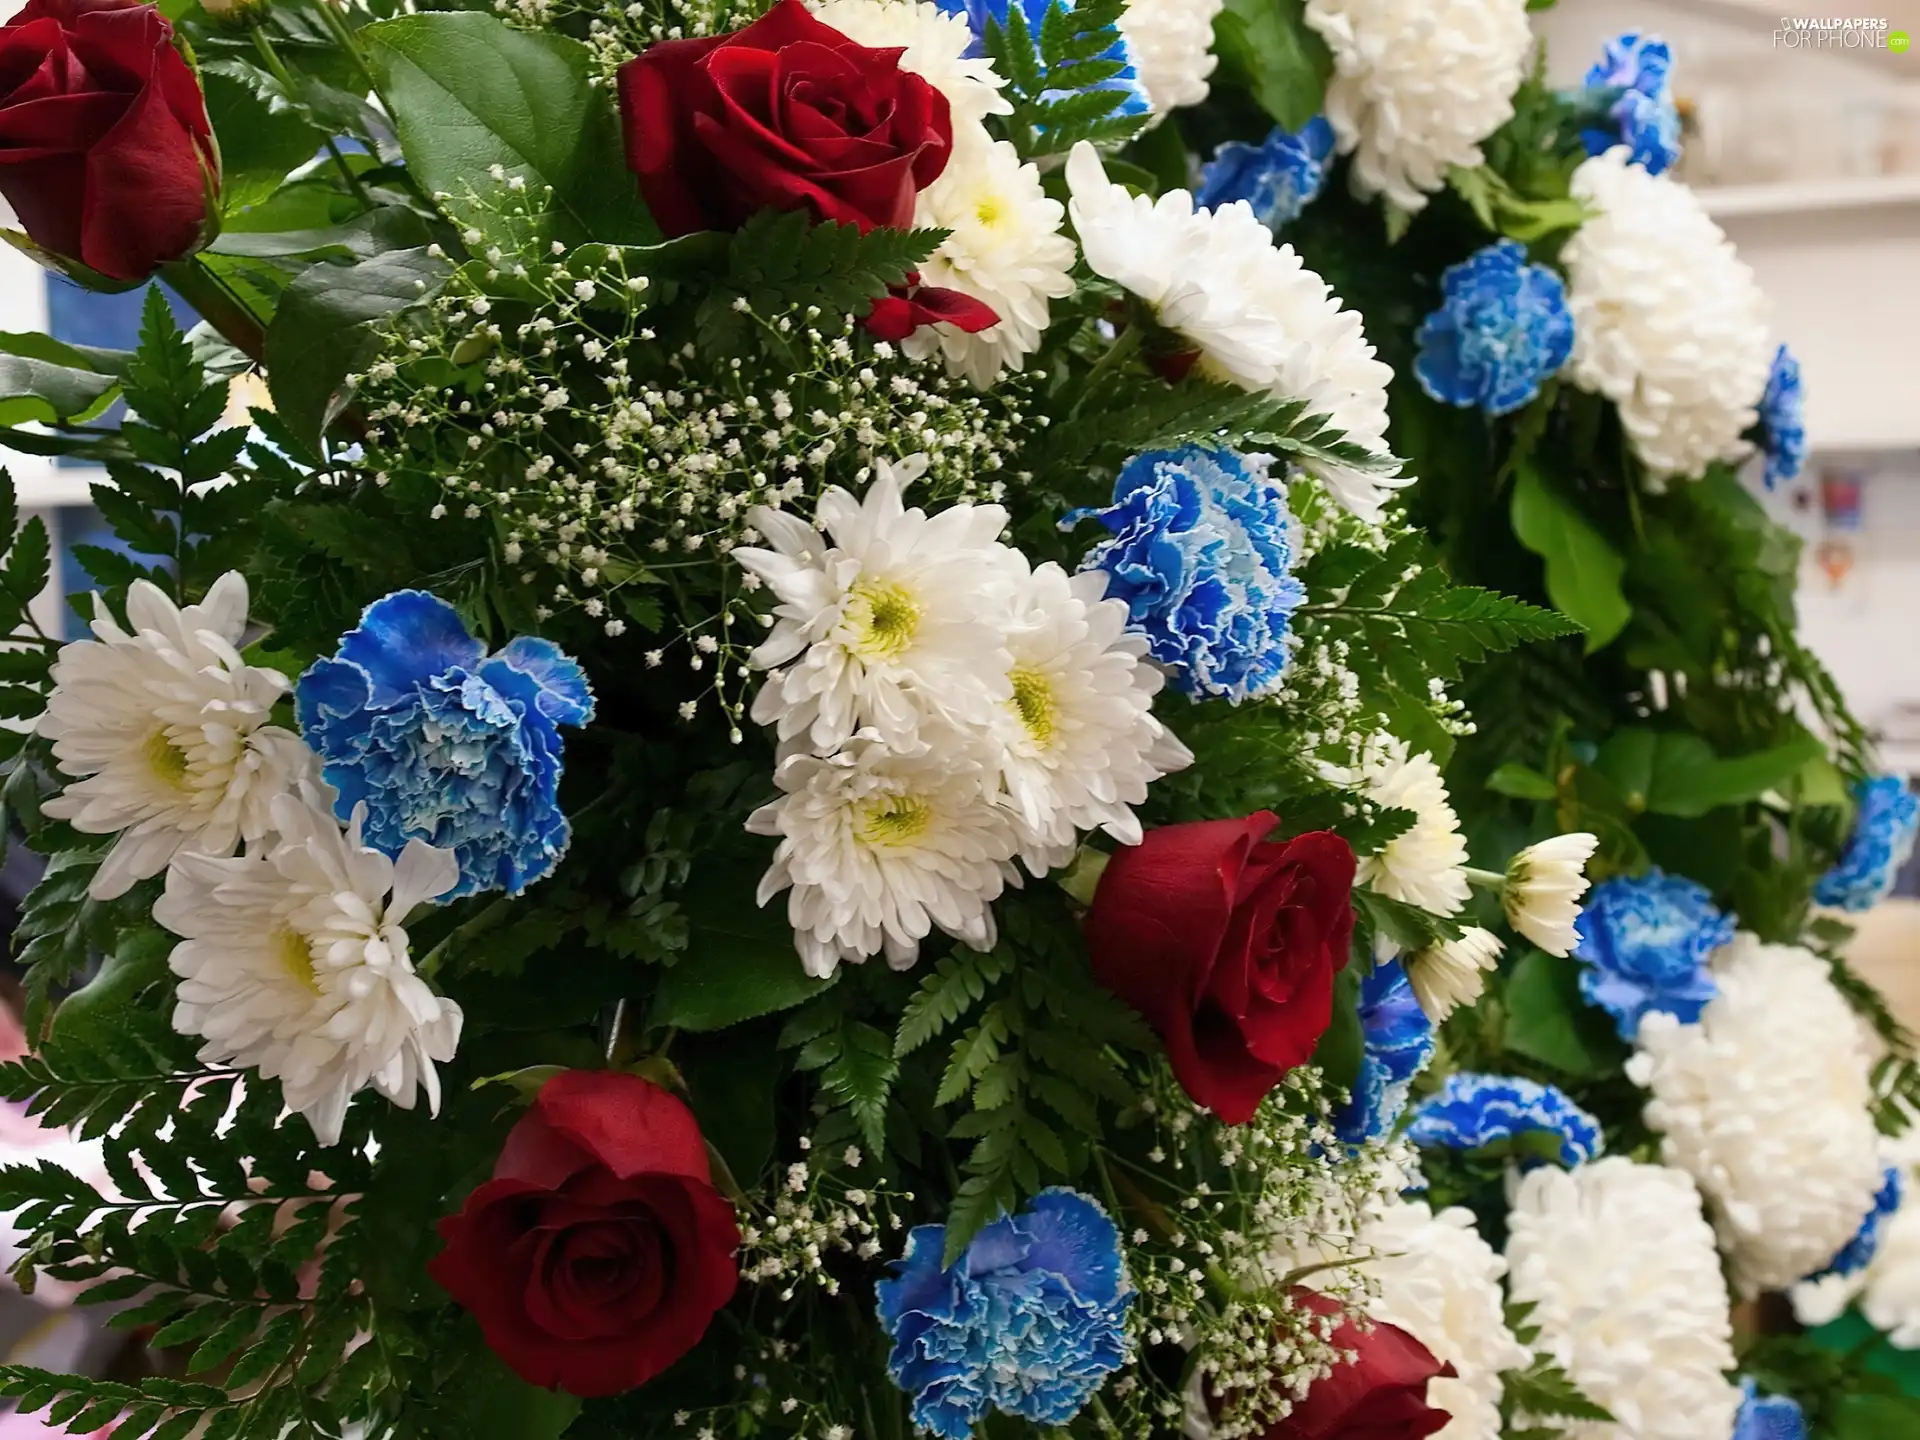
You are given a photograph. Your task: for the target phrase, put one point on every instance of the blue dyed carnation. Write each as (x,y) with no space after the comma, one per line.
(1472,1110)
(1768,1417)
(981,13)
(1279,177)
(1858,1252)
(1881,842)
(1644,943)
(1201,552)
(1783,419)
(445,743)
(1028,1322)
(1630,89)
(1503,328)
(1397,1043)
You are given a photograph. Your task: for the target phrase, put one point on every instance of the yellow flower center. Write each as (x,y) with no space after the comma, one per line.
(1033,701)
(885,620)
(296,956)
(167,760)
(989,210)
(895,820)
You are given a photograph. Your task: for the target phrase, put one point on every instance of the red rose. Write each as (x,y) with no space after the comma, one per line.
(784,114)
(599,1252)
(897,315)
(106,155)
(1381,1395)
(1228,944)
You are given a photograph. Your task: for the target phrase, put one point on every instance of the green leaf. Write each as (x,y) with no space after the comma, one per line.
(743,964)
(730,1087)
(40,390)
(320,331)
(1267,47)
(1522,782)
(1677,773)
(493,1403)
(35,346)
(1342,1045)
(1877,1417)
(1548,1020)
(1407,926)
(259,146)
(1583,568)
(389,227)
(468,92)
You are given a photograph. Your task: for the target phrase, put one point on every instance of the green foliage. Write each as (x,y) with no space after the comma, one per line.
(1542,1391)
(38,390)
(1048,78)
(468,93)
(1583,567)
(1677,773)
(1836,1380)
(1549,1021)
(1267,47)
(1496,205)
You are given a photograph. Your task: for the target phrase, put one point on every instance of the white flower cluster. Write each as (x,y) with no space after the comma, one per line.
(1256,316)
(1669,322)
(942,707)
(1440,1282)
(292,959)
(1006,248)
(1620,1267)
(790,1243)
(1418,84)
(1766,1103)
(1172,46)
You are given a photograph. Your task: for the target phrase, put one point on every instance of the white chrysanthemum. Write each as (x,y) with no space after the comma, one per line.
(1257,316)
(1005,249)
(1454,972)
(888,618)
(1080,743)
(1440,1282)
(1543,890)
(880,846)
(1892,1296)
(1172,46)
(934,46)
(1426,864)
(168,725)
(1418,84)
(1765,1102)
(294,963)
(1620,1267)
(1669,322)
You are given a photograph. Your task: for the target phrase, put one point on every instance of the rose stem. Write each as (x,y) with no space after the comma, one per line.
(287,83)
(217,305)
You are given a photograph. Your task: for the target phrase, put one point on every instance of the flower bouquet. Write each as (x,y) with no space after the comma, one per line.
(794,785)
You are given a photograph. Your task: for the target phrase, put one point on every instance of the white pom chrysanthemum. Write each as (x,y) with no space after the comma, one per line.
(1669,322)
(1172,46)
(1257,317)
(1620,1267)
(1766,1103)
(294,962)
(1080,741)
(1424,865)
(880,846)
(933,45)
(1005,249)
(168,727)
(1418,84)
(1440,1282)
(1454,972)
(885,619)
(1544,885)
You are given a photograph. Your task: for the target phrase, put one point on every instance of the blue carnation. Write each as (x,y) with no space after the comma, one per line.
(1644,943)
(1503,328)
(1629,91)
(1881,842)
(1472,1110)
(1201,552)
(1858,1252)
(1783,419)
(444,743)
(981,13)
(1279,177)
(1028,1322)
(1397,1043)
(1768,1417)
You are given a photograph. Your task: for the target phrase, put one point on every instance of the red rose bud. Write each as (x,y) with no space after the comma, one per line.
(784,115)
(897,315)
(599,1252)
(1381,1395)
(106,155)
(1228,944)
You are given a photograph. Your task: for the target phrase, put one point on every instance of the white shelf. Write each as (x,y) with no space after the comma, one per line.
(1812,197)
